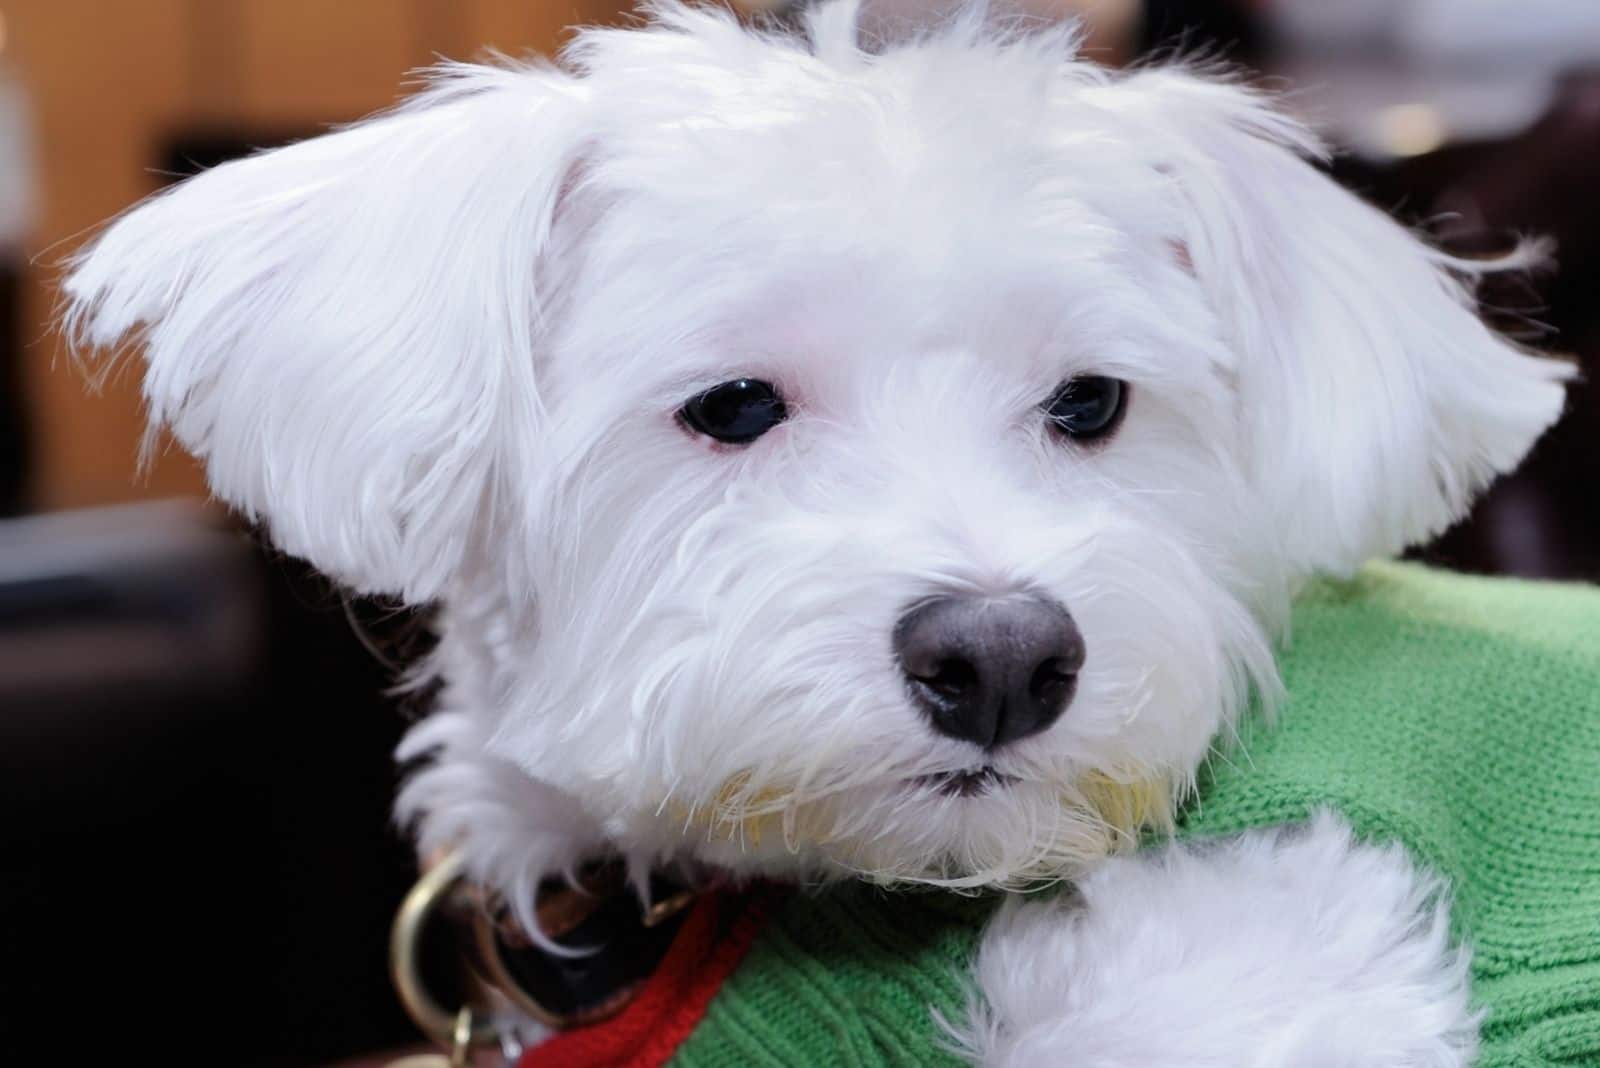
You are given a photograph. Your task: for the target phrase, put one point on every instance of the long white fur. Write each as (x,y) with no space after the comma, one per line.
(439,355)
(1300,948)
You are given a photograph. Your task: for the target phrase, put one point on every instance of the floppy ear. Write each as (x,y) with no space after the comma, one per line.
(344,330)
(1373,401)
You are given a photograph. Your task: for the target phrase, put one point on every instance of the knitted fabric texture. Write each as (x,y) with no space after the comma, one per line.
(1458,715)
(851,977)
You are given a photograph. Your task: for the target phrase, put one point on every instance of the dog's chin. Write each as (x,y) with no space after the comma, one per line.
(967,828)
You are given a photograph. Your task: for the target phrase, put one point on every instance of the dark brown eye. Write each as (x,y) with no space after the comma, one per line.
(735,412)
(1087,408)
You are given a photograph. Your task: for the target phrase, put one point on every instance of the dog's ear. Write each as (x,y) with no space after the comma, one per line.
(1374,402)
(344,330)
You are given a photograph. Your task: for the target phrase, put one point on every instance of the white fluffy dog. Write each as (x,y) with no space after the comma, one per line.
(854,459)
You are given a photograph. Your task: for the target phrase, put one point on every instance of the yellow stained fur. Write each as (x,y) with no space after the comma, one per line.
(1122,809)
(1126,808)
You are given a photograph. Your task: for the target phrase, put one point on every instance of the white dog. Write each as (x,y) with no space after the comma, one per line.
(891,447)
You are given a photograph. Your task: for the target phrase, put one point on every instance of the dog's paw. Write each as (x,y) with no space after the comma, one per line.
(1290,948)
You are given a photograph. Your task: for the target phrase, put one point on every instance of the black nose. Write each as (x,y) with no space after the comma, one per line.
(990,670)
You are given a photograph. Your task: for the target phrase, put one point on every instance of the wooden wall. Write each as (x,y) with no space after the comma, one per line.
(113,81)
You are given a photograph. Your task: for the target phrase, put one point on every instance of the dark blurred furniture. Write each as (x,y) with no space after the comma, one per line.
(197,857)
(200,741)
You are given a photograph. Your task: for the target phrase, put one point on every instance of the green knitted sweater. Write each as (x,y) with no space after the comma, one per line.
(1458,715)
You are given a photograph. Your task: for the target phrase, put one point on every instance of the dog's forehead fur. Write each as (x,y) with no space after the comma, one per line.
(961,189)
(826,268)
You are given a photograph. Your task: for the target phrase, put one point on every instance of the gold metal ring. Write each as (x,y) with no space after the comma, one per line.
(438,1023)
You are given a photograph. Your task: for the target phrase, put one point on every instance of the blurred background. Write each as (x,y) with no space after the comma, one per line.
(195,852)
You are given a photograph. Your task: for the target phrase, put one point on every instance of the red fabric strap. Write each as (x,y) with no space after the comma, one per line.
(712,941)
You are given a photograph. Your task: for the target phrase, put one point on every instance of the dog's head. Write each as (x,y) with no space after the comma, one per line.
(891,461)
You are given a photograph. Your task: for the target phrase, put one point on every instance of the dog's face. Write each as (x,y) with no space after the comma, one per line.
(892,463)
(882,533)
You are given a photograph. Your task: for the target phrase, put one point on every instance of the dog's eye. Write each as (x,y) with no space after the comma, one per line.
(1087,408)
(735,412)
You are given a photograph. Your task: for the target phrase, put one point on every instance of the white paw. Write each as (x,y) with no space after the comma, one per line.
(1290,948)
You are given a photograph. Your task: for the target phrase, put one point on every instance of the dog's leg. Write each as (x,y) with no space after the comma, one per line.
(1276,949)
